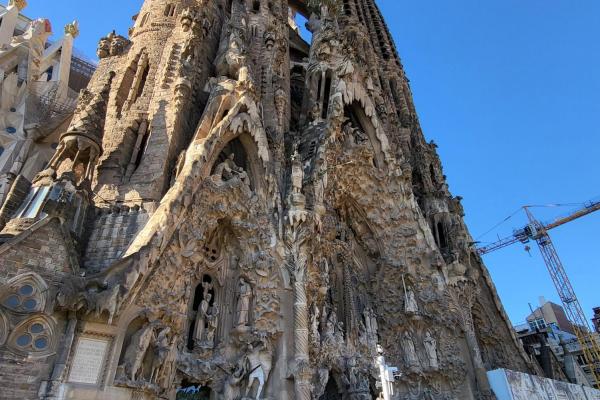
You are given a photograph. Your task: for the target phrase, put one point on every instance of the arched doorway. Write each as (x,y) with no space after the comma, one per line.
(331,391)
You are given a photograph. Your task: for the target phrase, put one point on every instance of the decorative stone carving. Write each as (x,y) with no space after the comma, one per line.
(136,351)
(201,318)
(410,354)
(228,169)
(431,350)
(411,305)
(112,45)
(244,300)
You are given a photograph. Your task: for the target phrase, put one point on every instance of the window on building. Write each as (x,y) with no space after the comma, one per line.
(144,19)
(170,10)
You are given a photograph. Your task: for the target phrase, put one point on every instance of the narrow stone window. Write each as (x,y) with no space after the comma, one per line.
(144,19)
(256,6)
(328,81)
(170,10)
(142,84)
(433,176)
(443,242)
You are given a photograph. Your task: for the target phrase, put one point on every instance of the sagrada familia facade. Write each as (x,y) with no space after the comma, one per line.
(234,213)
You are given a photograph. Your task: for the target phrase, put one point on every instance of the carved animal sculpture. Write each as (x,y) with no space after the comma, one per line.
(108,301)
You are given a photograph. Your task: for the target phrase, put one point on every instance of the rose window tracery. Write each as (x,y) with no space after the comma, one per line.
(25,294)
(34,335)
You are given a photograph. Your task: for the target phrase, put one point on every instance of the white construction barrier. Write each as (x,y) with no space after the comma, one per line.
(511,385)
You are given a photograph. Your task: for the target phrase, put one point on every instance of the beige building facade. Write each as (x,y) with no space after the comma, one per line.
(236,213)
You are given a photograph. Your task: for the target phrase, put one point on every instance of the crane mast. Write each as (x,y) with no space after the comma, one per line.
(537,231)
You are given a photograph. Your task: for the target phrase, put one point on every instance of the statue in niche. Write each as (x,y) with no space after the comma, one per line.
(431,350)
(370,321)
(243,303)
(202,317)
(411,306)
(410,354)
(213,322)
(228,169)
(135,353)
(353,135)
(297,174)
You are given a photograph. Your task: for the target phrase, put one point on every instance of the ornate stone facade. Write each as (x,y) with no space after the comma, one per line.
(234,213)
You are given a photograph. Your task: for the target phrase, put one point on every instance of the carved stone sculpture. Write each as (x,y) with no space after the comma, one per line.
(410,354)
(135,353)
(201,318)
(411,306)
(243,303)
(431,350)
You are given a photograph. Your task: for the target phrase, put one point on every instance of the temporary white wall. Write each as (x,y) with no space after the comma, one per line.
(511,385)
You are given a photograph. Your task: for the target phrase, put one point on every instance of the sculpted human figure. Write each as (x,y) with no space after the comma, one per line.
(411,306)
(135,353)
(228,169)
(431,349)
(314,322)
(231,388)
(201,318)
(244,300)
(259,362)
(297,173)
(161,352)
(410,354)
(213,322)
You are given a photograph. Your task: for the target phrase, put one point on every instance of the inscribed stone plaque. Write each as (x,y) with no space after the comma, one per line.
(88,361)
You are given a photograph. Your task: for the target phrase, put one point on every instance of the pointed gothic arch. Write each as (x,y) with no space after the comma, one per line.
(356,115)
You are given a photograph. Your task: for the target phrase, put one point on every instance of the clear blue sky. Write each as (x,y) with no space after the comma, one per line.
(509,89)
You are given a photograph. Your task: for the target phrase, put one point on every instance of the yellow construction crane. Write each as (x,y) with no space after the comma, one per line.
(538,232)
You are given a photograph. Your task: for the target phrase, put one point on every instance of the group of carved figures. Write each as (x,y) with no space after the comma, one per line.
(228,170)
(411,357)
(207,319)
(253,368)
(158,339)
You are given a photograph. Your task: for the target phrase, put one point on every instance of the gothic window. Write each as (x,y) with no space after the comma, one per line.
(142,82)
(433,176)
(25,294)
(170,10)
(33,203)
(35,335)
(256,6)
(328,81)
(442,240)
(144,19)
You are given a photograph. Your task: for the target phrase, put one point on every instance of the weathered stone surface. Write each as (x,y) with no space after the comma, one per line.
(260,214)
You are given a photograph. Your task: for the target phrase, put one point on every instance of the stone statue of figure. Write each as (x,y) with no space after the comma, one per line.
(135,353)
(411,306)
(410,354)
(297,173)
(161,352)
(231,388)
(314,323)
(243,304)
(213,323)
(431,350)
(259,362)
(370,321)
(201,318)
(228,169)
